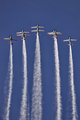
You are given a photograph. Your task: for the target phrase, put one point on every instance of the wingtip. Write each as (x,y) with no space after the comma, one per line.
(63,40)
(76,39)
(61,33)
(3,38)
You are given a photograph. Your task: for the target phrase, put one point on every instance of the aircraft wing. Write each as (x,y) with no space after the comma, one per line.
(6,38)
(26,32)
(73,40)
(58,33)
(65,40)
(27,35)
(18,34)
(33,30)
(50,33)
(41,27)
(34,27)
(42,30)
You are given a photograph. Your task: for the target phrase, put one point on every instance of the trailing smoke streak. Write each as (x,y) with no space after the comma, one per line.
(7,110)
(24,91)
(58,89)
(72,88)
(36,113)
(28,108)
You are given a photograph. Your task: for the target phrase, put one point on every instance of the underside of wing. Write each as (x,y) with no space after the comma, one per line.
(73,40)
(19,35)
(27,35)
(41,27)
(6,38)
(58,33)
(34,27)
(41,30)
(26,32)
(50,33)
(18,32)
(33,30)
(65,40)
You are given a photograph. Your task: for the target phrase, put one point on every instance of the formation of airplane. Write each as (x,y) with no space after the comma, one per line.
(10,38)
(69,40)
(24,34)
(38,30)
(54,33)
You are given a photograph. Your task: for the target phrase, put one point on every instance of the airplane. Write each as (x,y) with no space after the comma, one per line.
(10,40)
(54,33)
(22,34)
(69,40)
(37,29)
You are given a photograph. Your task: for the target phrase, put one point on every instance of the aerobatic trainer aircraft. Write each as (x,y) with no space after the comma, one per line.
(22,34)
(54,33)
(10,38)
(38,30)
(69,40)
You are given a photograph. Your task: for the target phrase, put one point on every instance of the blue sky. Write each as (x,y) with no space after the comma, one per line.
(61,15)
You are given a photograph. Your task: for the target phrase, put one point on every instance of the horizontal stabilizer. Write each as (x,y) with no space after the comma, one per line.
(69,44)
(11,43)
(38,34)
(52,37)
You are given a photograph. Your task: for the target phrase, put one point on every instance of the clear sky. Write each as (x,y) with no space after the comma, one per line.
(61,15)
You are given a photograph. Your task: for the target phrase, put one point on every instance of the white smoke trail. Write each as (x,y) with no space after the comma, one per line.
(72,88)
(10,70)
(58,89)
(24,91)
(36,113)
(28,108)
